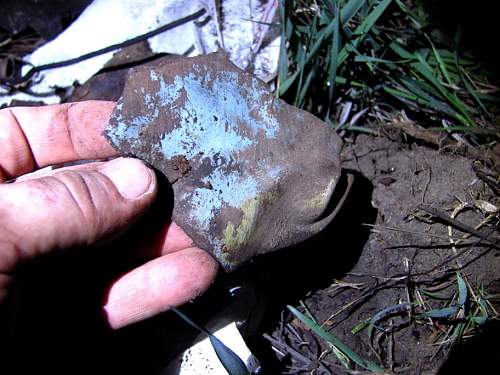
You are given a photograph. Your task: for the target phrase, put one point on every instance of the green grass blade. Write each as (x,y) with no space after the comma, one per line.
(444,313)
(362,129)
(360,326)
(300,58)
(301,96)
(332,71)
(322,35)
(283,59)
(428,87)
(302,51)
(483,318)
(363,58)
(345,81)
(422,92)
(426,71)
(316,47)
(307,311)
(462,290)
(363,29)
(344,360)
(472,93)
(434,295)
(467,84)
(480,320)
(427,99)
(336,342)
(442,65)
(401,52)
(483,306)
(400,94)
(229,359)
(467,129)
(420,99)
(350,9)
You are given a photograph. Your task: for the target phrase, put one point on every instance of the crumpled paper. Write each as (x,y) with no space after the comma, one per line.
(108,22)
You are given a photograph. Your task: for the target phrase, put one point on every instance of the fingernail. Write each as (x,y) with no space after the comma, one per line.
(130,176)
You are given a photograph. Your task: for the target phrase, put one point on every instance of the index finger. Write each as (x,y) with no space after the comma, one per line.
(34,137)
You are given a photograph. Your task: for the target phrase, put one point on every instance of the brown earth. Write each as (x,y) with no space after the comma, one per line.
(382,251)
(379,252)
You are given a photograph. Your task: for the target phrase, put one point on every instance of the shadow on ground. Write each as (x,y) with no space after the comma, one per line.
(478,355)
(289,275)
(56,324)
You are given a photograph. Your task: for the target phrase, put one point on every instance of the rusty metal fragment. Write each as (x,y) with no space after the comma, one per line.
(250,173)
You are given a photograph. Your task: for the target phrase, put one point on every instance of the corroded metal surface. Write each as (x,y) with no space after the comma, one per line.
(250,173)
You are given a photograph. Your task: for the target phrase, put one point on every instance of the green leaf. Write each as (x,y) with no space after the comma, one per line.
(458,331)
(362,129)
(422,67)
(332,71)
(301,96)
(442,65)
(426,71)
(466,129)
(401,52)
(362,30)
(362,58)
(360,326)
(480,320)
(300,58)
(315,48)
(229,359)
(283,60)
(434,295)
(462,290)
(472,92)
(416,88)
(323,35)
(302,89)
(344,359)
(336,342)
(446,312)
(350,9)
(483,306)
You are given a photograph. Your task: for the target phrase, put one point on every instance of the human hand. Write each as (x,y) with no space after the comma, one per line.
(87,204)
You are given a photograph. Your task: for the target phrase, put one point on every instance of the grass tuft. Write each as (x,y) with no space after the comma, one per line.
(380,57)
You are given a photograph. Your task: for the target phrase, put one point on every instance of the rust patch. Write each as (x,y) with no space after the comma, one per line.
(226,145)
(181,164)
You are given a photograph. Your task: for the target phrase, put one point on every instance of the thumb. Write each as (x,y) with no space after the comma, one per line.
(71,206)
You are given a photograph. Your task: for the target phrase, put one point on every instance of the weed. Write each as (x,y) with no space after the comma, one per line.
(347,60)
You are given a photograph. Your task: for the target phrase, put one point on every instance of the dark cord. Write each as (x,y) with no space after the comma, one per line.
(11,82)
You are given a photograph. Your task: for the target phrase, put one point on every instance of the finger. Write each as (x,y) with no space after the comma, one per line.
(34,137)
(71,207)
(170,280)
(169,239)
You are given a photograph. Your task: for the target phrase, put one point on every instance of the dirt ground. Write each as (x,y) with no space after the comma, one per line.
(383,251)
(379,252)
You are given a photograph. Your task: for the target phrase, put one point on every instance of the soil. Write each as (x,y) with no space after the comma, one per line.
(380,252)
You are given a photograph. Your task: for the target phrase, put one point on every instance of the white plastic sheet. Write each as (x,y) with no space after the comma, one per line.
(235,25)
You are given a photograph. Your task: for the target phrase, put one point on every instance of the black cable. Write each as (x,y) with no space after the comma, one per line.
(11,82)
